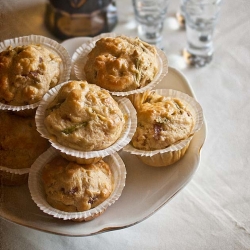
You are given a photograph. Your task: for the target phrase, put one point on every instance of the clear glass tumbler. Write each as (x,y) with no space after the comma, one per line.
(180,14)
(150,16)
(201,17)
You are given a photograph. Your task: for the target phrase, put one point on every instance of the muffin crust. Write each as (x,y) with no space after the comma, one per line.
(162,121)
(121,64)
(26,74)
(84,117)
(72,187)
(20,143)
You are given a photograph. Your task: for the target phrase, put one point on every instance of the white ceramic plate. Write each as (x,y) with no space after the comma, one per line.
(147,188)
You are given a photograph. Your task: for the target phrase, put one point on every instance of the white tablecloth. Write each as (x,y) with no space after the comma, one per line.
(213,210)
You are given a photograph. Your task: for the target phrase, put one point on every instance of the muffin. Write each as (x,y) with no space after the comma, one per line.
(20,145)
(77,192)
(121,63)
(166,123)
(27,72)
(161,122)
(84,117)
(72,187)
(12,178)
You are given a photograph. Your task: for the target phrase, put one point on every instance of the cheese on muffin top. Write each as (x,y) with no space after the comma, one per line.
(121,63)
(84,117)
(26,73)
(72,187)
(162,121)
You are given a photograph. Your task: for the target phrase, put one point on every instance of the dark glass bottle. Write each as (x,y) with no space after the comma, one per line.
(73,18)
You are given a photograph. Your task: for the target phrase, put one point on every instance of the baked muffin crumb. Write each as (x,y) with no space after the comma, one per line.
(20,143)
(84,117)
(72,187)
(26,73)
(121,63)
(162,121)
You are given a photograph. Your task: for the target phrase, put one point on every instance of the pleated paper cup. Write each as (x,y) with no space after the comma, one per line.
(39,197)
(79,156)
(12,176)
(79,59)
(51,45)
(173,153)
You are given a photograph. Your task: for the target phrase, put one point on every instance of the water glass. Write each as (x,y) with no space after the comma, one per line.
(180,15)
(201,17)
(150,16)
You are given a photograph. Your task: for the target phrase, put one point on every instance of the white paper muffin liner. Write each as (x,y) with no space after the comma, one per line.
(18,171)
(129,129)
(79,59)
(197,113)
(50,44)
(39,197)
(13,177)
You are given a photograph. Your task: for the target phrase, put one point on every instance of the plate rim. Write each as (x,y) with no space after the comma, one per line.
(202,140)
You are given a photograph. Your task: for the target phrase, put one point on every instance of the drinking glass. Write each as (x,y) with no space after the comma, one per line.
(201,17)
(180,15)
(150,16)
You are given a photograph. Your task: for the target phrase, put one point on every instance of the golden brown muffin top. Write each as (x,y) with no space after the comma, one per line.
(162,121)
(26,74)
(72,187)
(20,143)
(121,64)
(84,117)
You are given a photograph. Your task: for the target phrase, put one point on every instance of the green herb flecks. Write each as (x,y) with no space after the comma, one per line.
(73,128)
(139,68)
(56,106)
(178,107)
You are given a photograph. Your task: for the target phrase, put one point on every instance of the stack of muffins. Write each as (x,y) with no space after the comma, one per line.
(29,67)
(82,123)
(129,67)
(86,126)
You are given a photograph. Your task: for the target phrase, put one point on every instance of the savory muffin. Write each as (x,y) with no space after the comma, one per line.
(72,187)
(121,63)
(84,117)
(20,145)
(26,73)
(13,179)
(161,121)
